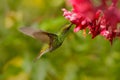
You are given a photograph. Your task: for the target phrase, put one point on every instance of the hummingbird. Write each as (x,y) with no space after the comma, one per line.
(53,41)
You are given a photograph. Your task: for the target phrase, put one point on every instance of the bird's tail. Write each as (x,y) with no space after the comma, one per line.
(42,52)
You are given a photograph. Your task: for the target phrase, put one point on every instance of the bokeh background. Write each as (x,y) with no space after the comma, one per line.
(79,57)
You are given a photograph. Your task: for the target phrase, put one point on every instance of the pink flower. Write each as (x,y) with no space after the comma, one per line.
(100,20)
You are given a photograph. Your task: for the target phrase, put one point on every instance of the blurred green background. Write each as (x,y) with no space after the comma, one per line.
(79,58)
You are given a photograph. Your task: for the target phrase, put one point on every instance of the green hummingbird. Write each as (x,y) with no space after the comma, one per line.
(53,41)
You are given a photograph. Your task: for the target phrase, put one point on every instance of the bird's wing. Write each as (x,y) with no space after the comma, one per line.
(38,34)
(28,31)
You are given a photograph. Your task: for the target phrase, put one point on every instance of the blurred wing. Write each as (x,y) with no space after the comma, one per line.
(38,34)
(28,31)
(45,36)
